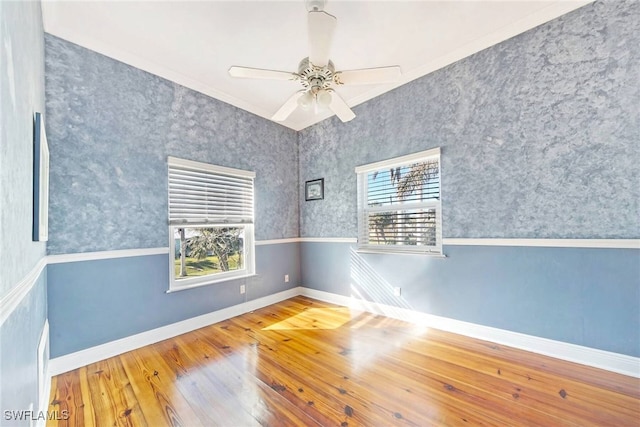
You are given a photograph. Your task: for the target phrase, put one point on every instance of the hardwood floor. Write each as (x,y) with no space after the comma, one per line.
(307,363)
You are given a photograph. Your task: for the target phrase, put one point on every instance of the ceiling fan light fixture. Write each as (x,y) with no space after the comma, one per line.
(323,98)
(306,101)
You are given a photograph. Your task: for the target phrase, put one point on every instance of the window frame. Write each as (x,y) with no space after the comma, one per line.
(363,209)
(248,227)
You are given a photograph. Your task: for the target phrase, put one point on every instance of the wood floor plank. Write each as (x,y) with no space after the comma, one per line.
(329,376)
(319,360)
(88,410)
(111,395)
(606,406)
(209,398)
(68,399)
(455,370)
(623,396)
(154,385)
(54,407)
(235,383)
(352,351)
(536,380)
(303,362)
(599,378)
(285,351)
(258,371)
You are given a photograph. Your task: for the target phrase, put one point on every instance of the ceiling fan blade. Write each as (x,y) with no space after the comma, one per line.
(340,107)
(321,29)
(288,107)
(367,76)
(259,73)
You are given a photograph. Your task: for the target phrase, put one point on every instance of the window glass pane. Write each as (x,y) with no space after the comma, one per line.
(404,184)
(414,227)
(399,204)
(207,251)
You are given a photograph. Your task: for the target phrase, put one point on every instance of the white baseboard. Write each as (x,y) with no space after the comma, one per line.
(614,362)
(81,358)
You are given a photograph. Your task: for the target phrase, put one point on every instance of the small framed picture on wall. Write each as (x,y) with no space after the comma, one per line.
(314,189)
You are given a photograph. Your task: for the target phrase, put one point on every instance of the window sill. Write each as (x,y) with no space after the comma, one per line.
(388,252)
(207,283)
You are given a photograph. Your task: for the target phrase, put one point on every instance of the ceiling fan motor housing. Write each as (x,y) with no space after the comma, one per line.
(315,78)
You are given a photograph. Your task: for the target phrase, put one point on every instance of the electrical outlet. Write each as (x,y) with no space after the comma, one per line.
(243,289)
(286,278)
(397,291)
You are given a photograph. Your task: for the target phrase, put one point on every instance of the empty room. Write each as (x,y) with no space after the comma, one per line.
(320,213)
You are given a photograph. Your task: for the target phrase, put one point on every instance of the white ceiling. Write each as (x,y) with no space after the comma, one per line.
(193,43)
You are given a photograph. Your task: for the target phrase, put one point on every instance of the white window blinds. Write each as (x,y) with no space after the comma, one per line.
(200,193)
(399,207)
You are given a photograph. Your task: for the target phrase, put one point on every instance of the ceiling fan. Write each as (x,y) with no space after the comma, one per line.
(317,73)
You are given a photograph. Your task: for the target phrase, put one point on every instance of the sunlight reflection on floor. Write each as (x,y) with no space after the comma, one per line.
(332,318)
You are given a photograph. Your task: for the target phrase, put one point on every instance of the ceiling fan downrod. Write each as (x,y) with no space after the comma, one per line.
(315,5)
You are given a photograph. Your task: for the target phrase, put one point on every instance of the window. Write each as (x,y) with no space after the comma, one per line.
(210,223)
(399,206)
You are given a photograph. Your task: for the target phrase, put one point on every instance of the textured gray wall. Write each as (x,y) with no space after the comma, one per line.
(111,128)
(539,134)
(21,94)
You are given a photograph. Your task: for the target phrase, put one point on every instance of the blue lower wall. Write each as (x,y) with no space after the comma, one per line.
(19,337)
(589,297)
(133,299)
